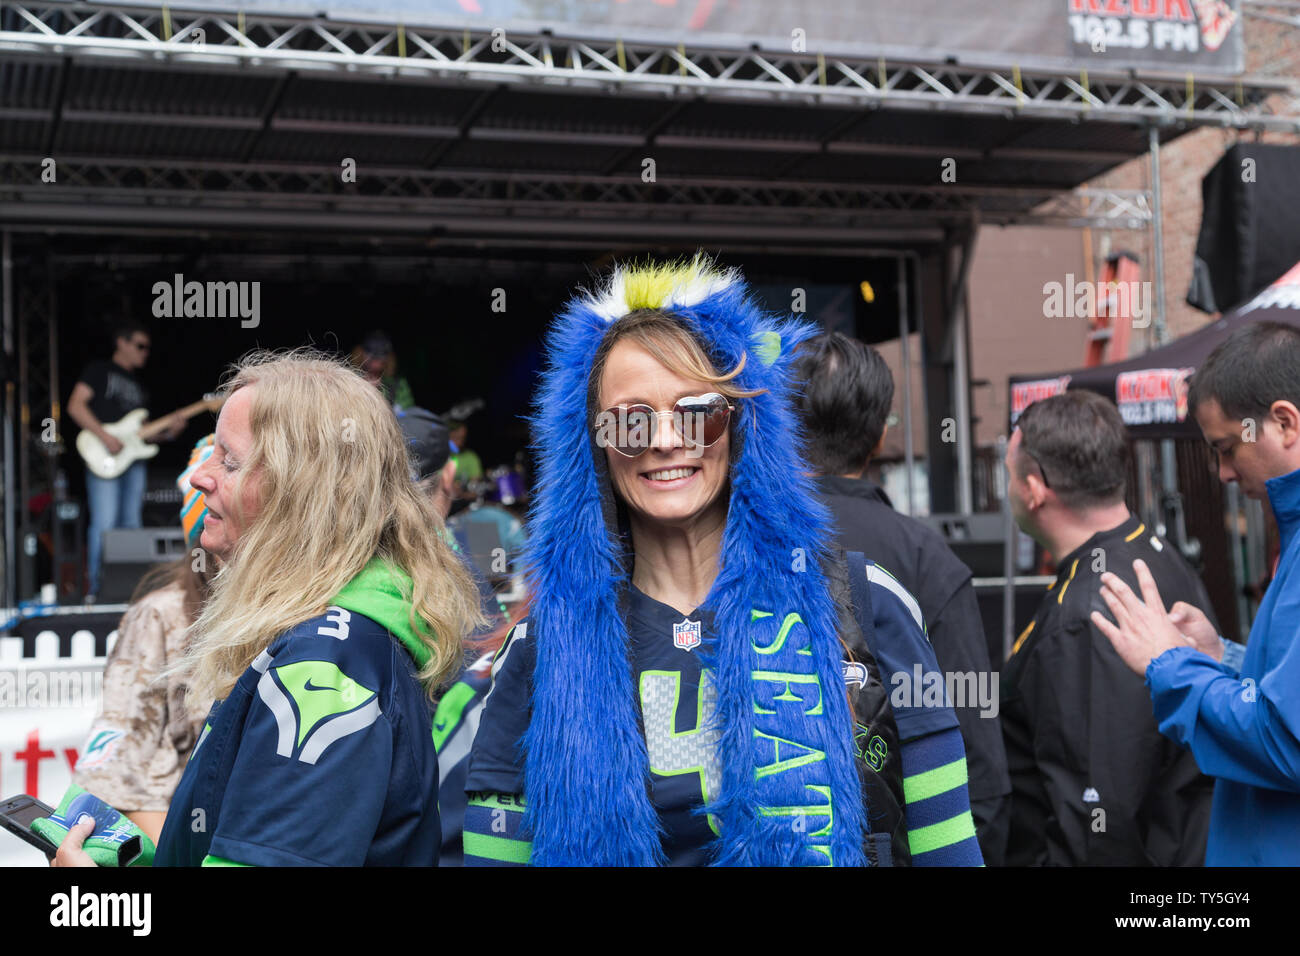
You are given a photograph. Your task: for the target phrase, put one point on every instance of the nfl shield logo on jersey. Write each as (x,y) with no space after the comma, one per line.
(686,635)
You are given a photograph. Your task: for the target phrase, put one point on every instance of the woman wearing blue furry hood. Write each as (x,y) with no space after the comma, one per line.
(688,687)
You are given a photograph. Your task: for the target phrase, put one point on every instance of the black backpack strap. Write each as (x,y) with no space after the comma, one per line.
(860,587)
(876,739)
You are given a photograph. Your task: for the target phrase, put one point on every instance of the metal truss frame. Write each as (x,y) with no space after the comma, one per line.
(36,334)
(1097,208)
(278,42)
(1259,9)
(564,200)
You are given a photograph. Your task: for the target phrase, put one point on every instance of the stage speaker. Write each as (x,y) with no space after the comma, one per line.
(1248,234)
(977,539)
(130,552)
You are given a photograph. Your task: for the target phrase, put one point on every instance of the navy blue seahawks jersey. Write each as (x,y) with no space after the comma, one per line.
(675,692)
(664,652)
(455,721)
(321,755)
(454,725)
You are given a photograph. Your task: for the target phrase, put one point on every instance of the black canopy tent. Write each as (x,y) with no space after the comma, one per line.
(1151,389)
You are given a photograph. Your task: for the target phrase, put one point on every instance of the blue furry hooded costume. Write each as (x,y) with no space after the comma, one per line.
(791,793)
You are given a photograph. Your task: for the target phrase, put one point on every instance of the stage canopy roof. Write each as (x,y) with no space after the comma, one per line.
(169,119)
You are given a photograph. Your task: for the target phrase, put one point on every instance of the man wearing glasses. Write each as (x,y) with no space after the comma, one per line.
(104,393)
(1239,714)
(1093,782)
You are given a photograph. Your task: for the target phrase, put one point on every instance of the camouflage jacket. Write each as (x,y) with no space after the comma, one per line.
(140,742)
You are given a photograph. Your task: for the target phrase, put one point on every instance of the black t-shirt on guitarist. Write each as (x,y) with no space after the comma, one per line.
(117,391)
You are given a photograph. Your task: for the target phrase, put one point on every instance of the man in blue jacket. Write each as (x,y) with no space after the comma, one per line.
(1240,719)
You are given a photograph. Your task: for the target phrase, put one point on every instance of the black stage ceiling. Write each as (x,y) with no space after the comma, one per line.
(546,140)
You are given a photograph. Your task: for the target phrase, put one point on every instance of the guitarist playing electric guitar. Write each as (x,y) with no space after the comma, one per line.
(105,392)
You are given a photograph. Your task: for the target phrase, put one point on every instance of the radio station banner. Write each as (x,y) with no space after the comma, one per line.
(1148,399)
(1024,394)
(1169,32)
(1204,36)
(51,690)
(1152,396)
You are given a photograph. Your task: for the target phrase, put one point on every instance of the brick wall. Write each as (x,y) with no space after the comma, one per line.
(1009,332)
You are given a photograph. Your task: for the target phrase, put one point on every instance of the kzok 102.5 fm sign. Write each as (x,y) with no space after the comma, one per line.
(1186,32)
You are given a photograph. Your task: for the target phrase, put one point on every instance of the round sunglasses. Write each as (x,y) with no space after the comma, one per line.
(700,420)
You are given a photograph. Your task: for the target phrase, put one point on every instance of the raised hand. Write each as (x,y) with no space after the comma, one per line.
(1142,630)
(1196,629)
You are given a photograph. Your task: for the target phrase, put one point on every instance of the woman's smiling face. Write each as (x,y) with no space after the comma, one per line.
(668,483)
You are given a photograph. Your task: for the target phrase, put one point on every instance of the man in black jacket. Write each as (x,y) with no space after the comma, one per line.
(1093,780)
(845,398)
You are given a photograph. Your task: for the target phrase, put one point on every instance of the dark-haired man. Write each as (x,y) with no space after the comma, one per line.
(845,395)
(1093,780)
(1239,717)
(105,392)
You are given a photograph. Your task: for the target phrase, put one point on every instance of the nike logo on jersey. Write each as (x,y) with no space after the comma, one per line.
(323,705)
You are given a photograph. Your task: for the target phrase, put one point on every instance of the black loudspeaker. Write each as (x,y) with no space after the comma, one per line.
(1248,232)
(162,506)
(130,552)
(976,538)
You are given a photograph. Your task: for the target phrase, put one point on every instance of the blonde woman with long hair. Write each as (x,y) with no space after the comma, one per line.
(139,744)
(337,614)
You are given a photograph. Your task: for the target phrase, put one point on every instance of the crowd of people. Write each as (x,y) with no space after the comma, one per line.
(722,613)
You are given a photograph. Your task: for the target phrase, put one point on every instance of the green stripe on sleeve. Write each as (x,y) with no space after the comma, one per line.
(450,708)
(211,860)
(497,848)
(920,786)
(942,834)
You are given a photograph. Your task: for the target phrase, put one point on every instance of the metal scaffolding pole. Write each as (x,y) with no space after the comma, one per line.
(1171,510)
(10,512)
(1008,554)
(909,452)
(25,570)
(1158,235)
(959,354)
(961,394)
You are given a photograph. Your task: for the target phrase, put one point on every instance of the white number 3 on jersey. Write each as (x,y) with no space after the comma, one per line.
(339,618)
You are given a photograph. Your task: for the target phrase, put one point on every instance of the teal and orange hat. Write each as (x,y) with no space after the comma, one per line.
(193,505)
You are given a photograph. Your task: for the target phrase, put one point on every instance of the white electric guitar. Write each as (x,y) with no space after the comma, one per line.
(134,435)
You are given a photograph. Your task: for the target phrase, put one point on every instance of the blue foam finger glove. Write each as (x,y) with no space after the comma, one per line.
(115,841)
